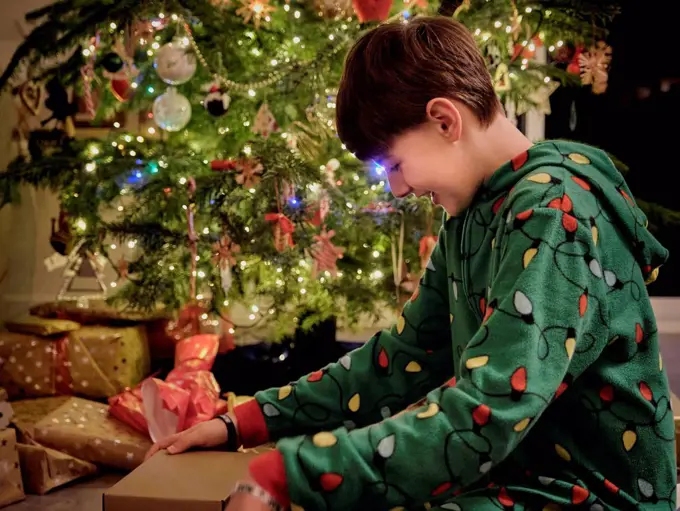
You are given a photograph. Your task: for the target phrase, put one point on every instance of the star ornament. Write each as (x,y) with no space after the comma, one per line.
(538,99)
(255,11)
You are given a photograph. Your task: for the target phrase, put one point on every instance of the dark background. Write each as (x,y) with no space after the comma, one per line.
(636,120)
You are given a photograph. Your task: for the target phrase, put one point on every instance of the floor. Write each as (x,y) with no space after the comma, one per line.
(87,496)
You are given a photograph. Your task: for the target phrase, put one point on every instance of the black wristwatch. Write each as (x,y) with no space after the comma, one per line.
(232,435)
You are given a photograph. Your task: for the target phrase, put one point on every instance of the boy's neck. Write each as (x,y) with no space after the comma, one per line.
(498,144)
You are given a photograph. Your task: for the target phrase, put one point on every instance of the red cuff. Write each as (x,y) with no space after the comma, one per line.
(269,471)
(251,425)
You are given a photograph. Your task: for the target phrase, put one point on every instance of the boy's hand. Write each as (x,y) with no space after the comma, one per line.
(211,433)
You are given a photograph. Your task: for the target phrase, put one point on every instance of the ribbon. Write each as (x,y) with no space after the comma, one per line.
(283,230)
(87,73)
(398,256)
(193,238)
(325,254)
(63,382)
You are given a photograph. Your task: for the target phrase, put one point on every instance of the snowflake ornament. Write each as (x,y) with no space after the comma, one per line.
(249,172)
(255,11)
(594,65)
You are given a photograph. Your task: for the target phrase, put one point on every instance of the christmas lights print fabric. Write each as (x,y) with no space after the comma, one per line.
(533,340)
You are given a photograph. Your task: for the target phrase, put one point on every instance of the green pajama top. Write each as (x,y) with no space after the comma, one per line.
(532,337)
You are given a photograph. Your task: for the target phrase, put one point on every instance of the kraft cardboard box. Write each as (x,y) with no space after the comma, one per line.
(193,481)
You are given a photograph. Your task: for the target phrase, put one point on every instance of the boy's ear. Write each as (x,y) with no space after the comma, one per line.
(446,118)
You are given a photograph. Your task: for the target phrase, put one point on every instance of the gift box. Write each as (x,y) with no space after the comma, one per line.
(44,469)
(42,357)
(84,429)
(11,486)
(6,411)
(196,481)
(28,412)
(189,395)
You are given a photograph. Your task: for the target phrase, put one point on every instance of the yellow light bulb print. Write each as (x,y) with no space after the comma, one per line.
(477,362)
(354,403)
(629,439)
(285,391)
(522,425)
(579,158)
(529,255)
(324,439)
(595,233)
(413,367)
(401,323)
(541,178)
(570,346)
(562,452)
(432,410)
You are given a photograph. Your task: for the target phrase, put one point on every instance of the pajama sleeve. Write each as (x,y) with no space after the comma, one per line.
(545,324)
(393,370)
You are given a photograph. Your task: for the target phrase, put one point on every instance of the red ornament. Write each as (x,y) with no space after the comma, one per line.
(372,10)
(325,254)
(283,230)
(121,90)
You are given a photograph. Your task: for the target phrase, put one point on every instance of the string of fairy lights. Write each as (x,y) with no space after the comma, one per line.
(301,274)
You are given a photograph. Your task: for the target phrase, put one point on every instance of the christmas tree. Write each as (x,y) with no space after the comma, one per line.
(221,180)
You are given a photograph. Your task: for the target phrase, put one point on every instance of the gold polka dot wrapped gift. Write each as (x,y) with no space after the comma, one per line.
(45,357)
(84,429)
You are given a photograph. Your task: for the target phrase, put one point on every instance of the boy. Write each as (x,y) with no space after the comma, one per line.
(531,332)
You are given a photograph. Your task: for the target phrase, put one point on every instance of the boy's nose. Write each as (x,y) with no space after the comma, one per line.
(398,186)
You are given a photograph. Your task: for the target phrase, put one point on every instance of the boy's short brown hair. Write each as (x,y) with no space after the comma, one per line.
(394,70)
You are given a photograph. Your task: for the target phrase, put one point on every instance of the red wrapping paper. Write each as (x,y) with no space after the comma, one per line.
(189,395)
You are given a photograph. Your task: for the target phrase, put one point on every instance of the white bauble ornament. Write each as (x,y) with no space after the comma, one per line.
(174,63)
(171,110)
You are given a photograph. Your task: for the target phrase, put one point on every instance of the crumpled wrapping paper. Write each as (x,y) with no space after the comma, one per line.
(189,395)
(94,361)
(11,486)
(84,429)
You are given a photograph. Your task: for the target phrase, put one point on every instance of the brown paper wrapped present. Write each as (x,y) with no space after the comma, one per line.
(96,362)
(11,486)
(44,469)
(6,412)
(28,412)
(85,430)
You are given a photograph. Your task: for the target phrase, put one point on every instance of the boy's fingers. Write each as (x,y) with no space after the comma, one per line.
(181,444)
(161,444)
(154,449)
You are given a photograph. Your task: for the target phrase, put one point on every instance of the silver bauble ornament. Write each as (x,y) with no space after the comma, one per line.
(171,110)
(175,63)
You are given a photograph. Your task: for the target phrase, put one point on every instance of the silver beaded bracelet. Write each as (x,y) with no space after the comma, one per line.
(257,492)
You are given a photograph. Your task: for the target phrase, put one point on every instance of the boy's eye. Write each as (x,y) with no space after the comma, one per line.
(395,168)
